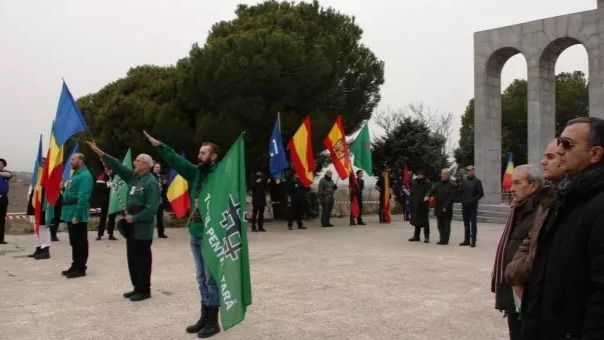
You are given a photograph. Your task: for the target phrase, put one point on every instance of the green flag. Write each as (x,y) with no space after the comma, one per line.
(224,246)
(361,149)
(119,189)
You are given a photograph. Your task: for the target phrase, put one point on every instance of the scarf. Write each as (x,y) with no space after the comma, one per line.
(498,269)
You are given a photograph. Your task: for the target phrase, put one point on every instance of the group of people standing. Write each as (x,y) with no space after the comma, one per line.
(442,195)
(548,275)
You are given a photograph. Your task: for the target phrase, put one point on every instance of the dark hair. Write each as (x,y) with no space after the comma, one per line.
(359,172)
(3,161)
(596,129)
(212,146)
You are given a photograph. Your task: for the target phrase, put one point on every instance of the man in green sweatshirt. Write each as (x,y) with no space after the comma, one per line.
(207,325)
(141,207)
(75,210)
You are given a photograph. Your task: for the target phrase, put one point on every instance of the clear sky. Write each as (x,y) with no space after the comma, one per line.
(426,46)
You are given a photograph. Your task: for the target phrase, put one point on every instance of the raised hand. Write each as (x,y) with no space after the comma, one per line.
(152,140)
(94,148)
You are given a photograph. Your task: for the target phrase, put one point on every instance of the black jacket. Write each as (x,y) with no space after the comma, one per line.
(259,192)
(444,193)
(420,208)
(470,191)
(568,274)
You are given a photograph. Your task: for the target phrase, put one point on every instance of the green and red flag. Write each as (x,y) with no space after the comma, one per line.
(225,246)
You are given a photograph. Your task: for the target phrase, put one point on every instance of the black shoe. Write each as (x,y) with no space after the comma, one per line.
(427,240)
(262,230)
(74,274)
(36,252)
(211,327)
(70,270)
(464,243)
(54,238)
(203,319)
(301,227)
(128,295)
(414,239)
(163,236)
(361,223)
(112,238)
(3,242)
(353,223)
(140,297)
(44,254)
(290,227)
(98,238)
(473,244)
(330,225)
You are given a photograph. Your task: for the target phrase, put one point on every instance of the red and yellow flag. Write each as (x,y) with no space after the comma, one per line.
(387,194)
(53,171)
(335,142)
(507,176)
(36,185)
(302,154)
(178,194)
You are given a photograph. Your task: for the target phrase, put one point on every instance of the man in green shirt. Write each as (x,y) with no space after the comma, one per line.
(75,210)
(207,325)
(141,207)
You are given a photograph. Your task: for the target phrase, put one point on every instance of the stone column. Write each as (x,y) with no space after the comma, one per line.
(541,106)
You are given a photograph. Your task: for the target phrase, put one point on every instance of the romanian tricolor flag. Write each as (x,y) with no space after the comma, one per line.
(507,176)
(335,142)
(302,154)
(68,121)
(36,184)
(178,194)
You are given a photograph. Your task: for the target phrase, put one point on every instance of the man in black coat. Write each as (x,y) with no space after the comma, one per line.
(258,192)
(470,193)
(568,273)
(420,207)
(444,194)
(296,202)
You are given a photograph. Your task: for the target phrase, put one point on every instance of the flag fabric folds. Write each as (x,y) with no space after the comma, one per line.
(53,170)
(406,181)
(507,176)
(69,119)
(361,149)
(36,185)
(277,160)
(178,194)
(302,154)
(387,196)
(353,188)
(335,142)
(119,189)
(225,245)
(67,168)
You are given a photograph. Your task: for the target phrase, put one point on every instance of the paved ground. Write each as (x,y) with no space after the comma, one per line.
(337,283)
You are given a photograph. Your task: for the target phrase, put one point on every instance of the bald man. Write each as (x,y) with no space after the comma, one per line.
(75,211)
(141,207)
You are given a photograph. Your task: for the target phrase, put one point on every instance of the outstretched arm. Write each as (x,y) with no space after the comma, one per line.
(183,167)
(125,174)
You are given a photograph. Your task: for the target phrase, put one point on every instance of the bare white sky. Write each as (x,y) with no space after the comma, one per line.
(425,44)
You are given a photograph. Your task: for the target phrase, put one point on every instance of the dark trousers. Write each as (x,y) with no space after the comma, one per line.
(103,222)
(514,325)
(382,217)
(417,231)
(258,215)
(470,212)
(295,213)
(78,239)
(3,208)
(444,228)
(326,208)
(139,264)
(160,220)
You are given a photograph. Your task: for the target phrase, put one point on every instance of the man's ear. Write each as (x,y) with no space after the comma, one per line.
(596,154)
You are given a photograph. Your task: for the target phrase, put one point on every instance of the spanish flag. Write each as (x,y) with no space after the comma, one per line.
(36,184)
(387,195)
(178,194)
(53,171)
(335,142)
(507,176)
(302,154)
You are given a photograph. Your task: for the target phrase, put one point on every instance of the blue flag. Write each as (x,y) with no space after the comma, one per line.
(67,168)
(277,161)
(69,119)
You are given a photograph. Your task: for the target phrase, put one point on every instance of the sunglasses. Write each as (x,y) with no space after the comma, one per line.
(566,143)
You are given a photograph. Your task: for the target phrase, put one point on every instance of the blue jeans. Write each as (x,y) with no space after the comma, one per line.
(207,285)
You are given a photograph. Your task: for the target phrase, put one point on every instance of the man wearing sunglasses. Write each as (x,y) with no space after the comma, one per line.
(568,273)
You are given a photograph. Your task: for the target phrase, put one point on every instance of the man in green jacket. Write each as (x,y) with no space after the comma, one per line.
(75,210)
(326,190)
(207,325)
(141,207)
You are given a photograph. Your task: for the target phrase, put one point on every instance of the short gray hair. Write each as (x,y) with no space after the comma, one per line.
(146,158)
(533,174)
